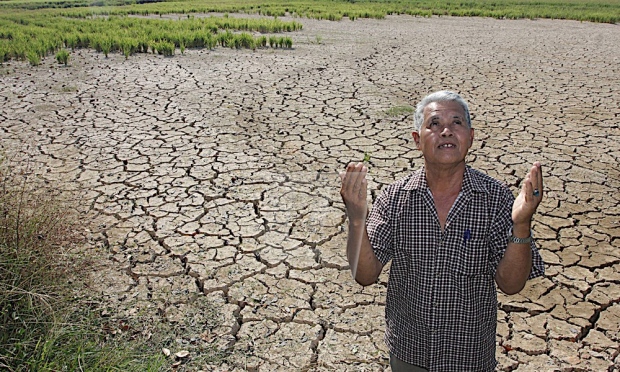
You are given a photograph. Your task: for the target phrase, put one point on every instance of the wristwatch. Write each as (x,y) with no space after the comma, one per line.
(514,239)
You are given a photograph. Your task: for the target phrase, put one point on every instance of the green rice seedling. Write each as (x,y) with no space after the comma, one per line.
(127,46)
(106,46)
(4,51)
(273,41)
(221,38)
(143,45)
(71,41)
(262,41)
(19,51)
(210,41)
(288,42)
(62,57)
(33,57)
(103,45)
(166,48)
(245,40)
(227,39)
(182,47)
(96,44)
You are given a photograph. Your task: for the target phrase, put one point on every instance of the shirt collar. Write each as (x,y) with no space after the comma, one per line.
(471,181)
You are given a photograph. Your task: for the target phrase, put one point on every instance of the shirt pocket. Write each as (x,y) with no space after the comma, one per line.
(469,257)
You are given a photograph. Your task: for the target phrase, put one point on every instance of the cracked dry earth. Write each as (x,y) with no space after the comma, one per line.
(210,178)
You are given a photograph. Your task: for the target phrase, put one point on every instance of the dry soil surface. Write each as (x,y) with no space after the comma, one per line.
(211,179)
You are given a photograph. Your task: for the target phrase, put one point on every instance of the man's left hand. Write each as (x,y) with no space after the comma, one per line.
(530,196)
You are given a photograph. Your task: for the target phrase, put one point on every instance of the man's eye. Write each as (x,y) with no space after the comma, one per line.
(457,122)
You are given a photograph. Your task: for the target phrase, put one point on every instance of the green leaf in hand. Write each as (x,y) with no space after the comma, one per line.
(366,157)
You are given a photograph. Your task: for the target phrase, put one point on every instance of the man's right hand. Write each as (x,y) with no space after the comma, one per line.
(363,263)
(353,191)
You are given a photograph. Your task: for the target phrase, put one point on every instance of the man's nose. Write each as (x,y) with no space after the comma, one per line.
(445,131)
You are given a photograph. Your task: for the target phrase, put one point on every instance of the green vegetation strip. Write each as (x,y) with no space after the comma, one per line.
(581,10)
(29,36)
(33,29)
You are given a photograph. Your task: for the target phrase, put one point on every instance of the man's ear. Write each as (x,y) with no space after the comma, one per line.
(416,139)
(471,137)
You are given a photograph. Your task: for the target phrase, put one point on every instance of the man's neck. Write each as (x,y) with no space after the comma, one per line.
(445,181)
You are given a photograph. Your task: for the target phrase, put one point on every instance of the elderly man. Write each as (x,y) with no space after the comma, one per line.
(450,231)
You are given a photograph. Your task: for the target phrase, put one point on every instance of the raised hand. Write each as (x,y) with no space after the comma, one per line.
(353,191)
(529,198)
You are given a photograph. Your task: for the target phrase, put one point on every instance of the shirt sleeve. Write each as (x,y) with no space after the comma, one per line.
(499,233)
(379,228)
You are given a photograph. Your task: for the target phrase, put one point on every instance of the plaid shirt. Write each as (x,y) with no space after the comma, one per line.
(441,307)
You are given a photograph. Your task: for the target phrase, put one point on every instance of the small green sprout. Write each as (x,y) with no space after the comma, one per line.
(366,157)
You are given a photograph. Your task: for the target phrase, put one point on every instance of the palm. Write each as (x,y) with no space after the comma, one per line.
(522,211)
(526,203)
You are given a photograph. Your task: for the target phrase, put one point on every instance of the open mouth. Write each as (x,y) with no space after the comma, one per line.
(447,146)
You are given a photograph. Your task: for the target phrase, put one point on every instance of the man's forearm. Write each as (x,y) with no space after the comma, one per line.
(516,265)
(364,264)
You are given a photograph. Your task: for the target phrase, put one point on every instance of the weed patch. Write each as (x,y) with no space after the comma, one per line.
(399,111)
(47,323)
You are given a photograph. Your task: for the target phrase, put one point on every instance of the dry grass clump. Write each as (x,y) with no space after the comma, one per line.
(42,326)
(49,321)
(34,235)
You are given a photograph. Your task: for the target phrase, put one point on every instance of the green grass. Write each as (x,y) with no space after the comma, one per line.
(399,110)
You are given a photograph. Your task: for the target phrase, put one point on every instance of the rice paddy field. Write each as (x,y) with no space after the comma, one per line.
(31,30)
(199,143)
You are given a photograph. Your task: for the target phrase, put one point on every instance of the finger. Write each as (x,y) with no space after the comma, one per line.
(343,174)
(363,182)
(348,172)
(536,180)
(540,178)
(533,177)
(358,175)
(352,177)
(526,188)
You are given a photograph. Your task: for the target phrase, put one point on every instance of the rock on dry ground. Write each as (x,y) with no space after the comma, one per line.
(211,178)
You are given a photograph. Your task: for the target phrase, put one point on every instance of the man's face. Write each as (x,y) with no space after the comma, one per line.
(444,138)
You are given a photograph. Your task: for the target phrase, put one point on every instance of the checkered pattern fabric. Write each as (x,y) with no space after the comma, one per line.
(441,306)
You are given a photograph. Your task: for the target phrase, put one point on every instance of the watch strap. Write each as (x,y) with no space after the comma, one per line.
(514,239)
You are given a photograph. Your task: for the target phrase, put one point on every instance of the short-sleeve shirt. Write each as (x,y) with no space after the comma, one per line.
(441,306)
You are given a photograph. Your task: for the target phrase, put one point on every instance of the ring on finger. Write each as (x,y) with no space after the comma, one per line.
(536,192)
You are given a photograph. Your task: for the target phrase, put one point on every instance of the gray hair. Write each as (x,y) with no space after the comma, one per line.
(441,96)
